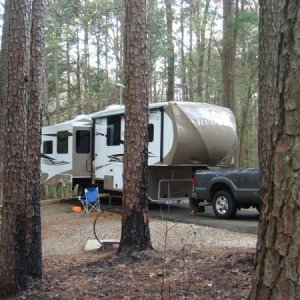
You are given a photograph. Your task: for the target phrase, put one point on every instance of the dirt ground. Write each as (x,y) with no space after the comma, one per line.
(186,273)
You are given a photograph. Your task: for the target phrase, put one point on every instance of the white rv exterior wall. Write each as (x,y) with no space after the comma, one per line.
(108,164)
(57,163)
(61,167)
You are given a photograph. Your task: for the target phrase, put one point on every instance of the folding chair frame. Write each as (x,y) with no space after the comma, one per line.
(90,201)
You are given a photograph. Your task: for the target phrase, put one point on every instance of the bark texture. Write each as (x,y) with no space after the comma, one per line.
(201,48)
(21,93)
(135,226)
(171,52)
(3,92)
(228,54)
(13,267)
(34,245)
(278,250)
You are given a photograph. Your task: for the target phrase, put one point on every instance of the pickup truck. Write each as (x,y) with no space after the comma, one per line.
(226,190)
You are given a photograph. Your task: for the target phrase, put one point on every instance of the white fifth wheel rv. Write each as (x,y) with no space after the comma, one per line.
(183,136)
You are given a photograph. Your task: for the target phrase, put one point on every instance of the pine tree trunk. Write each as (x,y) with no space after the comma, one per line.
(191,62)
(13,264)
(98,62)
(3,95)
(70,99)
(56,81)
(78,75)
(46,120)
(34,244)
(183,63)
(208,72)
(277,260)
(86,62)
(228,54)
(135,225)
(201,49)
(171,53)
(106,51)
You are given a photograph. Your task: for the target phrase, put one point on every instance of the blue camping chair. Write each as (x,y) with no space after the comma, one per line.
(90,201)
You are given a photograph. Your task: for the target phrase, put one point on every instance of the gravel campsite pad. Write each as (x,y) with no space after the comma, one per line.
(188,261)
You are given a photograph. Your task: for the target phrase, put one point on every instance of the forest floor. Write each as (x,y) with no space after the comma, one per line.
(189,271)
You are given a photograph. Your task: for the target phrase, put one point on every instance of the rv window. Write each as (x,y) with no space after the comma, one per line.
(47,147)
(62,141)
(82,141)
(150,133)
(113,132)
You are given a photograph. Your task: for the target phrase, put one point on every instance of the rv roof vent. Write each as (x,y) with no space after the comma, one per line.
(82,118)
(114,106)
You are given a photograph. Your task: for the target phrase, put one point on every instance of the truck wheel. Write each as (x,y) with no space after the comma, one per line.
(194,205)
(224,205)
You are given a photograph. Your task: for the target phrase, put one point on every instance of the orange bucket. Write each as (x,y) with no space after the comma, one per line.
(76,208)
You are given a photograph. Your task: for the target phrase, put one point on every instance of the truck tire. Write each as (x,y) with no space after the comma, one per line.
(224,205)
(194,205)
